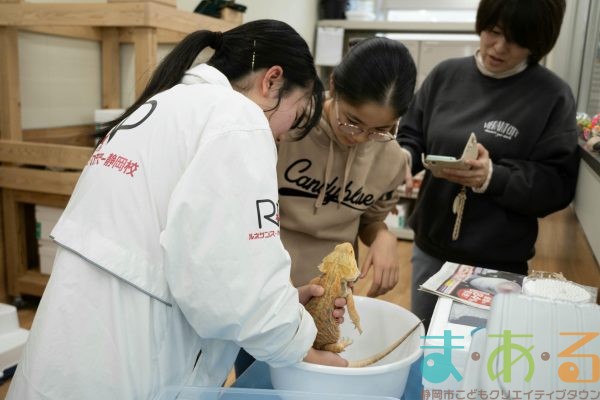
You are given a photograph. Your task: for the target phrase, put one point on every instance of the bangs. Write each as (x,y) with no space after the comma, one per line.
(311,116)
(517,25)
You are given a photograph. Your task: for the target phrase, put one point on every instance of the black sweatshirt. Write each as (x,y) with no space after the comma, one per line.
(527,123)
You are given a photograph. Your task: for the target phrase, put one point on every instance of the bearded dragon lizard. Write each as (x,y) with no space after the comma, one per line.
(339,268)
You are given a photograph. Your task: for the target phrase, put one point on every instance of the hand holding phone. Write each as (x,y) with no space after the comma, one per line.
(436,163)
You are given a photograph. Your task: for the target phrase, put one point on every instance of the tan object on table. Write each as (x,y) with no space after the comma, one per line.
(231,15)
(590,143)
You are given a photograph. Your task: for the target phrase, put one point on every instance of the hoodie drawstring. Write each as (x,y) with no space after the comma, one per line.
(349,161)
(328,168)
(321,196)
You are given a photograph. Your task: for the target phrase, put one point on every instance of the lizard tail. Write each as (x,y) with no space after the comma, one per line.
(373,359)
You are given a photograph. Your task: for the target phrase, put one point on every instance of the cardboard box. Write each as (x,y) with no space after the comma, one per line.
(45,218)
(47,251)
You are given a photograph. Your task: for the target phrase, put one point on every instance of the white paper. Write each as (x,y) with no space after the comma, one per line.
(330,43)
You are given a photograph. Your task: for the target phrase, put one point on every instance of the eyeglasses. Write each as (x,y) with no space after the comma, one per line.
(377,136)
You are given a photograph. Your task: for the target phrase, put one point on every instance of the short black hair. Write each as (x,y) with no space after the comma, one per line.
(532,24)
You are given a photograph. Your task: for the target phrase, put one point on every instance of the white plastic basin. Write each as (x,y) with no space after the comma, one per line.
(382,323)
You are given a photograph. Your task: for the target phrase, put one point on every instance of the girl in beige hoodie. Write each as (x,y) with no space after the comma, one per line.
(340,181)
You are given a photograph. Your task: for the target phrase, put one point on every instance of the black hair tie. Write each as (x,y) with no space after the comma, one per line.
(217,40)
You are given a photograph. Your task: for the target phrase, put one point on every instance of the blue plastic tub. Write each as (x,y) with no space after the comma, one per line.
(218,393)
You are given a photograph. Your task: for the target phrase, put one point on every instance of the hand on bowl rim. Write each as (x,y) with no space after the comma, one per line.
(324,357)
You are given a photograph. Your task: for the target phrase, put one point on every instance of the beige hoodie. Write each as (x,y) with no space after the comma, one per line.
(313,217)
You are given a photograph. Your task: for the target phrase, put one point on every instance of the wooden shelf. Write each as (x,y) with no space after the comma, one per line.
(112,14)
(32,283)
(55,157)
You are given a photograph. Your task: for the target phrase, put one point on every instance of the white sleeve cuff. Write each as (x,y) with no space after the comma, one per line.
(300,344)
(408,156)
(485,185)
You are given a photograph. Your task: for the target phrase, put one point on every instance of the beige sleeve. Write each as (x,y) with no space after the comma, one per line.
(372,220)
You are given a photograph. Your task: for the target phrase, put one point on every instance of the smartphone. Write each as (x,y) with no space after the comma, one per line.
(445,162)
(431,158)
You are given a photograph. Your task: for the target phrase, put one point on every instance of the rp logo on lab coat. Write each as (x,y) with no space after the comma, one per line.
(139,116)
(267,212)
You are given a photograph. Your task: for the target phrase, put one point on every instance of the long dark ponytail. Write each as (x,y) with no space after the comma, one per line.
(249,47)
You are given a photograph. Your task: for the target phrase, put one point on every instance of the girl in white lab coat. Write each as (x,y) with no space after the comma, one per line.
(169,247)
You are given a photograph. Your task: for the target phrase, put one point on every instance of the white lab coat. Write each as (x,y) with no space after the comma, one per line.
(169,246)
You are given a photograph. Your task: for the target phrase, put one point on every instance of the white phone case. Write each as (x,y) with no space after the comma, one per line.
(469,153)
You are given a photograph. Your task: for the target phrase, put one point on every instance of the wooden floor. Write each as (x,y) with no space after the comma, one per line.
(561,247)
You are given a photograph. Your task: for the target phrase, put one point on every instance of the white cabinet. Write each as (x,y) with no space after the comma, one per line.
(428,50)
(430,37)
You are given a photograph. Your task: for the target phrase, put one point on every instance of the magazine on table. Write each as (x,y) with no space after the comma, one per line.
(474,286)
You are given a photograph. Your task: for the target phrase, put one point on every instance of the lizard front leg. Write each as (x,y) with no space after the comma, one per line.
(352,310)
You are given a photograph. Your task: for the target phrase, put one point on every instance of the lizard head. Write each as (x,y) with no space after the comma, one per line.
(341,262)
